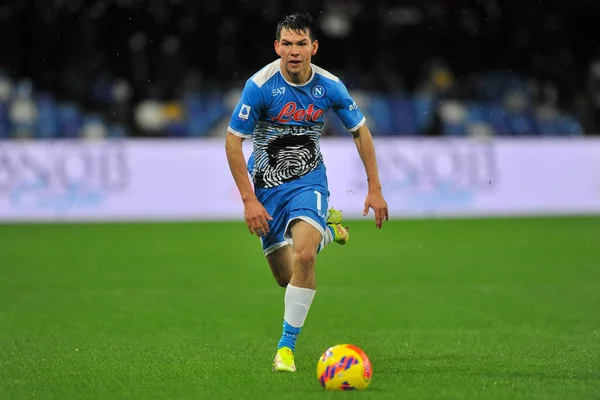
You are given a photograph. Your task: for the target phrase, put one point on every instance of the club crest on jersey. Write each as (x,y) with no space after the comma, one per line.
(244,111)
(318,91)
(290,111)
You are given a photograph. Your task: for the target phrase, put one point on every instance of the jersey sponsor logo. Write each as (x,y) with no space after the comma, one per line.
(318,91)
(290,111)
(352,107)
(244,112)
(292,129)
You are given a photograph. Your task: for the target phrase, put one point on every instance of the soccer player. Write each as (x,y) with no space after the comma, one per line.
(281,108)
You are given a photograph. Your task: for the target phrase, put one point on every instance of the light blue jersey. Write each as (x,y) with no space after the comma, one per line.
(285,121)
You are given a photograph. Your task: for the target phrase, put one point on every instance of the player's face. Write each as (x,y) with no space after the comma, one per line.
(295,50)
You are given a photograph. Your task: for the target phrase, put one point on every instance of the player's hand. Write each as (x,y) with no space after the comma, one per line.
(256,217)
(376,201)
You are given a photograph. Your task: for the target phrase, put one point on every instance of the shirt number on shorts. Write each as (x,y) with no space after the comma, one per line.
(318,200)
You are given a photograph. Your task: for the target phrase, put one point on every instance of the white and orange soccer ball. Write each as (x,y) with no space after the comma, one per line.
(344,367)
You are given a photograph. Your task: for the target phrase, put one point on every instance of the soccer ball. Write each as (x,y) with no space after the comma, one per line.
(344,367)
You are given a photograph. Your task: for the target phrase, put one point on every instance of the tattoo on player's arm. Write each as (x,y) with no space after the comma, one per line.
(355,134)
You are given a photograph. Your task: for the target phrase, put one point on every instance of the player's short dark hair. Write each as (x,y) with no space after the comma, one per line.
(298,22)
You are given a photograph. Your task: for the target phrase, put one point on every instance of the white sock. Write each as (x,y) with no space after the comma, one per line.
(297,304)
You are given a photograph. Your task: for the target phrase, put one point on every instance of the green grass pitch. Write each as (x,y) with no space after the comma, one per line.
(446,309)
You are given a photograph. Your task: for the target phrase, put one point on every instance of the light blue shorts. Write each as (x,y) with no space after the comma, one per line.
(306,198)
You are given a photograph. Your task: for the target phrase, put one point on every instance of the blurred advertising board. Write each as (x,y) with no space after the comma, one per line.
(181,179)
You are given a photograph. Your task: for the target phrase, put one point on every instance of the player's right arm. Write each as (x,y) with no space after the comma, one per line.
(243,120)
(254,213)
(237,166)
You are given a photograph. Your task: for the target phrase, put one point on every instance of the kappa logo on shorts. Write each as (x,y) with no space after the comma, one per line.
(244,112)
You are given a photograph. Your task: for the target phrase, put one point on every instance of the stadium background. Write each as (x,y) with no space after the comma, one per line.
(173,68)
(116,111)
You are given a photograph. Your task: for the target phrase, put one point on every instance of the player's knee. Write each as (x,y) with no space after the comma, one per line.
(306,257)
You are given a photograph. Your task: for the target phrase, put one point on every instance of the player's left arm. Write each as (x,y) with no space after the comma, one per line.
(354,120)
(366,149)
